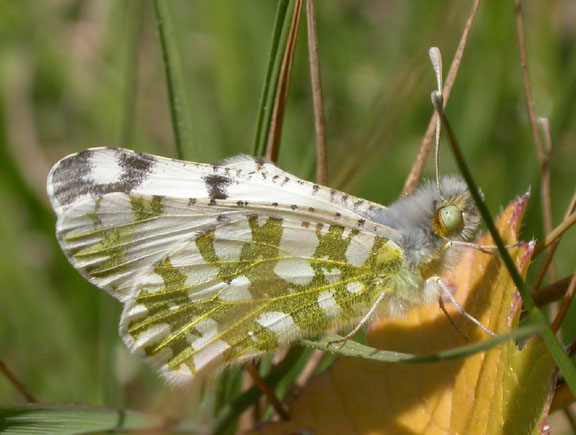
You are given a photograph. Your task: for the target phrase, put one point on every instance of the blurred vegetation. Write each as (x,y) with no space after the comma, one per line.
(77,74)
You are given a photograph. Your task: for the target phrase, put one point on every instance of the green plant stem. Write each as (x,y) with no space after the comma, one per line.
(555,347)
(269,92)
(136,13)
(357,350)
(171,61)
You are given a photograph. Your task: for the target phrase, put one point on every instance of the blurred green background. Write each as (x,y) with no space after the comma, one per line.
(77,74)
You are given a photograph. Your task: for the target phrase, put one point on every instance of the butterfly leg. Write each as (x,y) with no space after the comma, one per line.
(461,310)
(362,322)
(447,314)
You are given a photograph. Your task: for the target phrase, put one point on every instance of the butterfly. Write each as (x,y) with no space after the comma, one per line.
(218,264)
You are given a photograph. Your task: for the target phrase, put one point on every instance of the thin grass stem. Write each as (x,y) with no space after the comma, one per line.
(319,122)
(555,347)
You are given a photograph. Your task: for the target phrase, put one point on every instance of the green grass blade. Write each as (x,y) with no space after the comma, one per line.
(355,349)
(137,12)
(279,38)
(71,419)
(555,347)
(179,112)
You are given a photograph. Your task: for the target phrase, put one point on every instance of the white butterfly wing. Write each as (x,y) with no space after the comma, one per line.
(94,172)
(217,263)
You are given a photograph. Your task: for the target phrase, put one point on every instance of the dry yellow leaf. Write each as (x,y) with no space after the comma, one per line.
(504,390)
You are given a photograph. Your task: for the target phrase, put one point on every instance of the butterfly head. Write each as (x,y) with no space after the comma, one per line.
(455,216)
(426,221)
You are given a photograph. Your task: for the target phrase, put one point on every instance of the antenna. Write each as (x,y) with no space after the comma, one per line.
(438,102)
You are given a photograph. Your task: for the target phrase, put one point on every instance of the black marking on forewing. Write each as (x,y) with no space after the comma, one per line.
(68,177)
(261,161)
(216,186)
(135,169)
(71,178)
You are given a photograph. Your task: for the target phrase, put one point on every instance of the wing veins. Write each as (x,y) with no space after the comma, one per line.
(258,310)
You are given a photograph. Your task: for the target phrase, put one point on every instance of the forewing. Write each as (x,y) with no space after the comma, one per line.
(222,274)
(97,171)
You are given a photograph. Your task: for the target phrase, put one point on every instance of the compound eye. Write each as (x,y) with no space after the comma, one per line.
(451,217)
